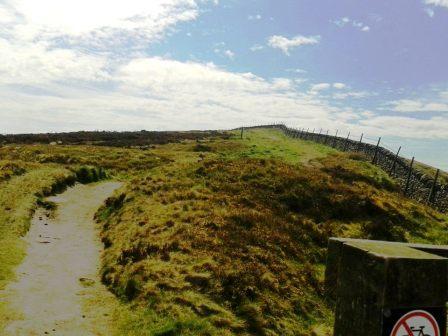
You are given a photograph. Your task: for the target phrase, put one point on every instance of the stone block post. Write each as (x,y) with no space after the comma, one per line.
(383,288)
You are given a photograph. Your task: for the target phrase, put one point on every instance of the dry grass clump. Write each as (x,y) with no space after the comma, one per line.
(9,169)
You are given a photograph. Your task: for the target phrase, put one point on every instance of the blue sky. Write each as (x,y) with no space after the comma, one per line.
(373,67)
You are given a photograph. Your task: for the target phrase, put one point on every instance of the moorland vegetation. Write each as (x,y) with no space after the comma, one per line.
(216,235)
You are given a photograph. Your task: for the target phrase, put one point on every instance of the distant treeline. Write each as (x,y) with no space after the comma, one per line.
(116,139)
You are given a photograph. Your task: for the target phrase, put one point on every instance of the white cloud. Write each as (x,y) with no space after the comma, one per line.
(367,114)
(156,93)
(35,63)
(411,106)
(339,86)
(298,71)
(226,53)
(256,47)
(344,21)
(6,15)
(82,16)
(352,94)
(324,90)
(325,86)
(430,12)
(432,128)
(282,84)
(230,54)
(254,17)
(300,81)
(319,87)
(98,24)
(285,44)
(441,3)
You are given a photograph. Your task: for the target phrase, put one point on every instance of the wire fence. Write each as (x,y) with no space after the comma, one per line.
(414,183)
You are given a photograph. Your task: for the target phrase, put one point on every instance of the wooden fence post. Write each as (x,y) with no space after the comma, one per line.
(346,142)
(306,134)
(408,180)
(376,151)
(326,137)
(242,131)
(392,169)
(334,139)
(318,137)
(433,191)
(360,142)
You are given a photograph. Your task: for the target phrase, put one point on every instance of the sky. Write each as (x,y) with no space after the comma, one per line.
(377,67)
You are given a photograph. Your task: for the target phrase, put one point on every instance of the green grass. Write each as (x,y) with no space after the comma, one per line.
(274,144)
(227,236)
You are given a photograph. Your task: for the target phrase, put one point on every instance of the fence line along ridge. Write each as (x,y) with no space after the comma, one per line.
(413,182)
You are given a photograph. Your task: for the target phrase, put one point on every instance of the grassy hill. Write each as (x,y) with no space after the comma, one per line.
(226,236)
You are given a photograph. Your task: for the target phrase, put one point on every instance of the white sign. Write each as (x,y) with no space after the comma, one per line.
(416,323)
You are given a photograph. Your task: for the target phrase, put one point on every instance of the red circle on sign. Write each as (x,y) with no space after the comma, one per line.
(403,323)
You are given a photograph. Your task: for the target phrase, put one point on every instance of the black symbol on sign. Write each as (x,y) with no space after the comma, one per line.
(420,332)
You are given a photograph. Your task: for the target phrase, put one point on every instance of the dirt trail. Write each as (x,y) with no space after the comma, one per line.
(58,281)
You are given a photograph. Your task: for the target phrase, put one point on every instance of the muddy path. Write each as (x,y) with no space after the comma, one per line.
(57,287)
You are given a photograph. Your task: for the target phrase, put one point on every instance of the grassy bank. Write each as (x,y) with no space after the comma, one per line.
(18,199)
(27,175)
(229,237)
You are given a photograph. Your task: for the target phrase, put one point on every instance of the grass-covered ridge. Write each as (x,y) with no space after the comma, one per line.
(216,236)
(228,237)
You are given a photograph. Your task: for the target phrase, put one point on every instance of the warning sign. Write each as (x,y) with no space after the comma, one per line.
(414,322)
(417,322)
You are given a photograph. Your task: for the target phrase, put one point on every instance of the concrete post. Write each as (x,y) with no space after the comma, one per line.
(390,289)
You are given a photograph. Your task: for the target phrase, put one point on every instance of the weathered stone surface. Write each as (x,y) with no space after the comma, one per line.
(367,277)
(334,257)
(334,253)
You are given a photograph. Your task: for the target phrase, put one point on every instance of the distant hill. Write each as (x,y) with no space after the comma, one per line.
(103,138)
